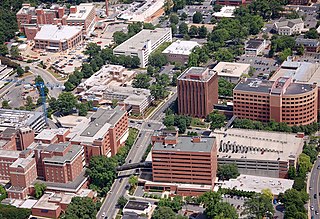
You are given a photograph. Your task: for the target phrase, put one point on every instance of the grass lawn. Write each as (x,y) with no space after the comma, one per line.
(195,122)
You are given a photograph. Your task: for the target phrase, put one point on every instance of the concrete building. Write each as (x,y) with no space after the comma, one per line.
(60,162)
(137,207)
(57,38)
(254,47)
(179,51)
(184,160)
(52,204)
(231,71)
(52,136)
(197,92)
(22,119)
(259,153)
(310,45)
(112,83)
(144,43)
(104,134)
(4,73)
(83,15)
(282,101)
(225,12)
(289,27)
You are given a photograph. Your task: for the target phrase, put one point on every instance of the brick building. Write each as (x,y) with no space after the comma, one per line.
(16,139)
(104,134)
(282,101)
(310,45)
(197,92)
(60,162)
(186,165)
(51,136)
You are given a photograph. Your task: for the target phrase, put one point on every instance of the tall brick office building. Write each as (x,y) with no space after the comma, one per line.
(282,101)
(197,92)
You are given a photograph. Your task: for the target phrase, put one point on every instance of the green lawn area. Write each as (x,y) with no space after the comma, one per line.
(195,122)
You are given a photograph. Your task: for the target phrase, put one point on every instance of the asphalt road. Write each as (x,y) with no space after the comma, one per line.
(314,183)
(108,207)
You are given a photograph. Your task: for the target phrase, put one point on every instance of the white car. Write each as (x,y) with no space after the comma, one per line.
(312,208)
(103,214)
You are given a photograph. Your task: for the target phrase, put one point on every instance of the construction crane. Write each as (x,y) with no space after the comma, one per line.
(41,86)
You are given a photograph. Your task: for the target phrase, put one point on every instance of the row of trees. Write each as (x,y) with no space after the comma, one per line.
(81,207)
(275,126)
(102,169)
(180,121)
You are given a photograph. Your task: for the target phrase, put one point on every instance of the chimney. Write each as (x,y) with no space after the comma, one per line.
(73,9)
(107,7)
(196,139)
(60,12)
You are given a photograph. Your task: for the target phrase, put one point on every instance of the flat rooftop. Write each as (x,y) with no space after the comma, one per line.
(49,134)
(266,86)
(197,74)
(9,154)
(57,33)
(83,11)
(139,41)
(257,145)
(254,43)
(226,11)
(22,162)
(68,157)
(257,184)
(231,69)
(71,121)
(185,144)
(18,118)
(137,205)
(181,47)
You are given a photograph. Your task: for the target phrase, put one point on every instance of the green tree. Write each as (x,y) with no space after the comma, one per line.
(221,210)
(175,203)
(29,104)
(20,71)
(217,8)
(174,19)
(217,120)
(197,17)
(259,206)
(157,60)
(158,91)
(174,29)
(14,52)
(312,34)
(163,212)
(83,109)
(183,28)
(202,32)
(3,50)
(267,193)
(39,190)
(26,69)
(304,164)
(299,183)
(182,125)
(284,55)
(227,171)
(169,120)
(183,16)
(5,104)
(66,102)
(81,207)
(87,70)
(300,50)
(148,26)
(292,172)
(225,87)
(92,49)
(223,55)
(122,201)
(193,31)
(3,193)
(141,81)
(311,151)
(133,181)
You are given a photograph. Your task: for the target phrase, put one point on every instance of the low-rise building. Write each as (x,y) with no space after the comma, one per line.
(112,83)
(225,12)
(82,15)
(138,207)
(231,71)
(254,47)
(259,153)
(51,204)
(179,51)
(289,26)
(51,136)
(22,119)
(4,73)
(57,38)
(282,100)
(310,45)
(143,44)
(104,134)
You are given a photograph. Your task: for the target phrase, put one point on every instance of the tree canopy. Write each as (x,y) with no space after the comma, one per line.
(81,207)
(227,171)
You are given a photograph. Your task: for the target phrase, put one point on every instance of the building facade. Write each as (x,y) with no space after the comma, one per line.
(184,160)
(254,47)
(82,15)
(289,27)
(197,92)
(179,51)
(310,45)
(281,101)
(143,44)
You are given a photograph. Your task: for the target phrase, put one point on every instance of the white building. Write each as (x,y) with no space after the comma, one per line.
(4,73)
(226,11)
(82,15)
(231,71)
(179,51)
(289,27)
(138,207)
(144,43)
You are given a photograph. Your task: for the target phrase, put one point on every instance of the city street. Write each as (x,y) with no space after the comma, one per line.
(108,208)
(314,189)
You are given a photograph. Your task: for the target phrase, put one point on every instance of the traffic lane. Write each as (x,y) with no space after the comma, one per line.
(157,114)
(315,189)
